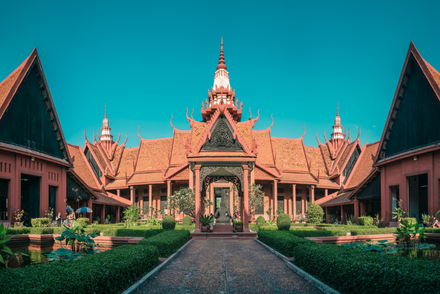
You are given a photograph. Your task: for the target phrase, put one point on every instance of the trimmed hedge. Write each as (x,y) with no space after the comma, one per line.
(187,221)
(261,221)
(317,233)
(268,228)
(365,220)
(167,242)
(106,272)
(432,230)
(283,221)
(361,231)
(83,221)
(168,223)
(40,222)
(331,263)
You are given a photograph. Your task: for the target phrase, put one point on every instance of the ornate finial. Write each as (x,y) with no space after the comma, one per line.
(138,132)
(357,139)
(85,137)
(337,112)
(105,110)
(126,138)
(317,139)
(221,61)
(304,127)
(250,113)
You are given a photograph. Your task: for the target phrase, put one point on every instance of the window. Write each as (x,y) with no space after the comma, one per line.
(146,191)
(280,203)
(163,202)
(299,191)
(280,190)
(259,207)
(146,208)
(163,190)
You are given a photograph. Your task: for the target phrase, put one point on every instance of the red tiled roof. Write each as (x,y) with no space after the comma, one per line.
(98,156)
(197,131)
(81,167)
(435,74)
(262,174)
(118,183)
(117,157)
(344,156)
(340,199)
(290,152)
(178,155)
(127,161)
(327,183)
(245,130)
(297,178)
(326,155)
(111,199)
(183,174)
(146,178)
(222,154)
(154,154)
(316,161)
(8,83)
(265,154)
(364,166)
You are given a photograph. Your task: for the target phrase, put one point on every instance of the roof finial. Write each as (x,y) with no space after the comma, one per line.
(221,61)
(337,112)
(105,110)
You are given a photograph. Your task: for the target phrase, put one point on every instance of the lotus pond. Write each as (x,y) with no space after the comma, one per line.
(423,251)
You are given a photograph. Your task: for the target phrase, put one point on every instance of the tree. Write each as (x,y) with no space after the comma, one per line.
(315,213)
(131,215)
(184,201)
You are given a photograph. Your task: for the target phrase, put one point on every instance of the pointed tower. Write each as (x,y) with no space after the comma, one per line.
(106,139)
(337,137)
(221,94)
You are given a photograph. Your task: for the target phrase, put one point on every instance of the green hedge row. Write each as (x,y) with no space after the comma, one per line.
(317,233)
(108,231)
(167,242)
(106,272)
(360,231)
(40,222)
(353,270)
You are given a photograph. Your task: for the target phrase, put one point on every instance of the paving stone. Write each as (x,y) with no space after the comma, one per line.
(227,266)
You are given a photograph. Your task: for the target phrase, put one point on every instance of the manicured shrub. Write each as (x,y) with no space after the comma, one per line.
(268,228)
(83,221)
(188,228)
(365,220)
(427,230)
(283,222)
(317,233)
(40,222)
(361,231)
(282,241)
(167,242)
(409,220)
(315,213)
(187,221)
(261,221)
(106,272)
(168,223)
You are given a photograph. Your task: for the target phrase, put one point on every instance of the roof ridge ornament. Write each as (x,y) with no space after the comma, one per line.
(138,132)
(304,127)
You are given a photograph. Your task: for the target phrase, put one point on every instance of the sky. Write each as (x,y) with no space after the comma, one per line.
(148,60)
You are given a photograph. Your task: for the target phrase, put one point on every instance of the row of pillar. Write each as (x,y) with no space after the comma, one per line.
(359,210)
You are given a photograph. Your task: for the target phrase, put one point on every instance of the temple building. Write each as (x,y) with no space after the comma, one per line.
(221,152)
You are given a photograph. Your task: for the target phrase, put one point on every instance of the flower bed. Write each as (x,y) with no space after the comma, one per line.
(105,272)
(352,270)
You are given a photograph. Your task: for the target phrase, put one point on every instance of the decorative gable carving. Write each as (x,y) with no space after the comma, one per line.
(221,138)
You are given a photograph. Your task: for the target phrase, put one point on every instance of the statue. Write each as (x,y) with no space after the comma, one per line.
(223,216)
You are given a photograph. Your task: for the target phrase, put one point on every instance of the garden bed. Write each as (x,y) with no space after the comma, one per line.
(349,270)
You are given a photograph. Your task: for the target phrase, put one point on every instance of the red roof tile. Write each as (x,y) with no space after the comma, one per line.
(116,157)
(154,154)
(178,155)
(127,162)
(245,130)
(262,174)
(196,133)
(290,152)
(111,199)
(326,183)
(314,157)
(81,167)
(297,178)
(265,154)
(340,199)
(365,165)
(146,178)
(98,156)
(118,183)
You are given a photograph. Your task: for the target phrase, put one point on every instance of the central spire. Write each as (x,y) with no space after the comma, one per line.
(221,60)
(221,77)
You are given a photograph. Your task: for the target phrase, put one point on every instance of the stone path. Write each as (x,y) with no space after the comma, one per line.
(227,266)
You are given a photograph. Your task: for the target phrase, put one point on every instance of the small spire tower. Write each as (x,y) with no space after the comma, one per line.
(106,139)
(337,137)
(221,77)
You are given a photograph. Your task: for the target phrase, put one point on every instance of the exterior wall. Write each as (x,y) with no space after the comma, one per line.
(396,173)
(50,174)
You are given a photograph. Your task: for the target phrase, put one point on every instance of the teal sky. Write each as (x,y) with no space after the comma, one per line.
(149,59)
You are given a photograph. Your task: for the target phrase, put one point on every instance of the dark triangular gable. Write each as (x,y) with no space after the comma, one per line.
(414,117)
(30,120)
(222,138)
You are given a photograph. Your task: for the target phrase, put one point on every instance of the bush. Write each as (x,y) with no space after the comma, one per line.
(106,272)
(361,231)
(261,221)
(187,221)
(365,220)
(268,228)
(409,220)
(167,242)
(83,221)
(168,223)
(318,233)
(315,213)
(282,241)
(283,222)
(40,222)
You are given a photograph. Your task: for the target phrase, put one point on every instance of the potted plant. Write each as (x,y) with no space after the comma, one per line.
(238,225)
(19,215)
(427,220)
(205,220)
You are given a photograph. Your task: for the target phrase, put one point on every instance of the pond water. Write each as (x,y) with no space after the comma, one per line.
(31,254)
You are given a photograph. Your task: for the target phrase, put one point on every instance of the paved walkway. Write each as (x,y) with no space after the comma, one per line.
(227,266)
